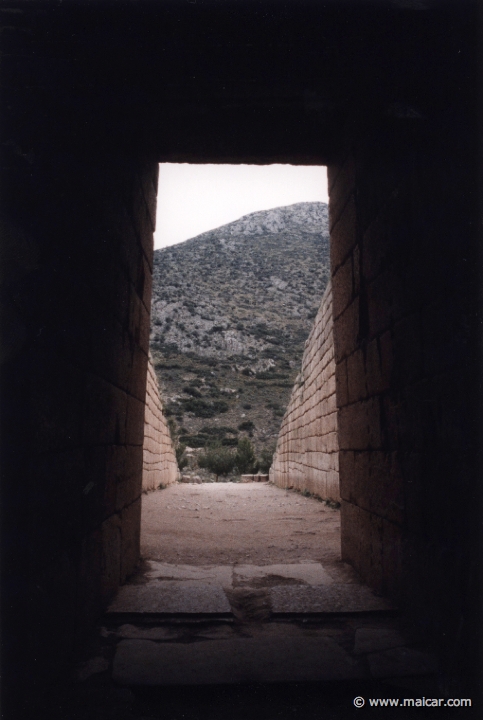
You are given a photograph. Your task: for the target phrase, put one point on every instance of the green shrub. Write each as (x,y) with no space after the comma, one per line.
(245,460)
(229,442)
(271,376)
(218,430)
(194,441)
(266,459)
(247,425)
(167,366)
(220,406)
(217,459)
(269,353)
(192,391)
(204,409)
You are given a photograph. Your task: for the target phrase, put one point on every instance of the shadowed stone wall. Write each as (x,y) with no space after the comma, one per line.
(159,459)
(306,457)
(404,285)
(75,355)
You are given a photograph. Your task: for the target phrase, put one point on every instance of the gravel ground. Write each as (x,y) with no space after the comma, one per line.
(226,523)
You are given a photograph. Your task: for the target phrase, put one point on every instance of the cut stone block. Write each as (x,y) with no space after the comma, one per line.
(171,597)
(368,640)
(250,660)
(309,573)
(333,598)
(402,661)
(216,632)
(92,667)
(342,573)
(132,632)
(218,574)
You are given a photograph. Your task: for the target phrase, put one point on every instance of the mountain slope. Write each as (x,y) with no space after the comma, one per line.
(230,314)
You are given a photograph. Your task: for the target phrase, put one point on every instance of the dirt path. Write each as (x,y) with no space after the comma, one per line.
(225,523)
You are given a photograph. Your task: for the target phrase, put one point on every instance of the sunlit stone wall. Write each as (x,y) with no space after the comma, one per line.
(306,456)
(159,459)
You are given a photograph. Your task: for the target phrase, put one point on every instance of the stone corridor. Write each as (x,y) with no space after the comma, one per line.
(253,616)
(96,96)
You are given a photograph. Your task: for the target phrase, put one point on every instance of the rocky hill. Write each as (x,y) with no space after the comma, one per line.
(231,311)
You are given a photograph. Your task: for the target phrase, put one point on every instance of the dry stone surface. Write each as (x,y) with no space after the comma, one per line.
(236,660)
(306,457)
(159,459)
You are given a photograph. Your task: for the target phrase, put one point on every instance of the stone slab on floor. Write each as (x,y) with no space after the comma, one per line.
(132,632)
(213,574)
(368,640)
(401,661)
(306,573)
(237,660)
(335,598)
(171,598)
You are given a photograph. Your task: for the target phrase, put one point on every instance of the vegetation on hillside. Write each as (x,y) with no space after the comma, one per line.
(231,311)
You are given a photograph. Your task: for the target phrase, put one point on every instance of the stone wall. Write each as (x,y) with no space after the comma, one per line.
(78,233)
(159,459)
(403,276)
(306,457)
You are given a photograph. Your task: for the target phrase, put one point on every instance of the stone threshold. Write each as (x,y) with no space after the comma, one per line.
(113,619)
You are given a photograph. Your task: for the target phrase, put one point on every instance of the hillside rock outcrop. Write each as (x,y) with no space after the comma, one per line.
(231,311)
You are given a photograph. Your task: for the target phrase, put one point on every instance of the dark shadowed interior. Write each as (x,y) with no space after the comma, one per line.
(96,95)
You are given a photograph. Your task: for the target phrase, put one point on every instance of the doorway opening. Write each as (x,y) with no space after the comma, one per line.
(233,306)
(242,353)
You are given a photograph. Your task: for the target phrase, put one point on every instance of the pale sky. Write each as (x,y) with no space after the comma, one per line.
(195,198)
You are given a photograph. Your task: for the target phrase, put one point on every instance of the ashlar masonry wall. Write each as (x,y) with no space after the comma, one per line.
(159,459)
(306,456)
(75,372)
(403,280)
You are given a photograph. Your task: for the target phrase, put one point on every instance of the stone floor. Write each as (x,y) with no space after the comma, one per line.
(213,625)
(291,589)
(239,641)
(251,664)
(246,643)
